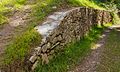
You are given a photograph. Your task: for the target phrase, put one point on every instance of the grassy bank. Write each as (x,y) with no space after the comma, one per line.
(73,53)
(21,45)
(110,59)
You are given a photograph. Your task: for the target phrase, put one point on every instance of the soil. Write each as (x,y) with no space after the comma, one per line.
(93,60)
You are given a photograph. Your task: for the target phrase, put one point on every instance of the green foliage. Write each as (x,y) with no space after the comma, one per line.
(21,46)
(112,8)
(72,54)
(86,3)
(20,1)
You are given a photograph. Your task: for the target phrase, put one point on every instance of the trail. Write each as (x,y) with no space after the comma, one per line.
(15,26)
(91,62)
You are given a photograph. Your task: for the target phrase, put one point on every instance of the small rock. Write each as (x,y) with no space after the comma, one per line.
(59,37)
(54,40)
(44,59)
(55,45)
(51,52)
(44,48)
(34,65)
(48,45)
(54,7)
(38,48)
(33,58)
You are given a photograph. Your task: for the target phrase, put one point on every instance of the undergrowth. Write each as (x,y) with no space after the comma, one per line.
(72,54)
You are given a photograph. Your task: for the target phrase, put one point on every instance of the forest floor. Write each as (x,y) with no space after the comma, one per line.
(105,56)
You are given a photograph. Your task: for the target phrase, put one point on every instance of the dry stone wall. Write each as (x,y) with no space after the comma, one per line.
(69,26)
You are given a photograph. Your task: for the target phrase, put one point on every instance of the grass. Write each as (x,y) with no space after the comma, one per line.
(116,19)
(72,54)
(43,8)
(86,3)
(110,61)
(8,6)
(21,46)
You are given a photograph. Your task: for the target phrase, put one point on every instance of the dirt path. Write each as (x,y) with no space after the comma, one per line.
(16,25)
(110,58)
(92,62)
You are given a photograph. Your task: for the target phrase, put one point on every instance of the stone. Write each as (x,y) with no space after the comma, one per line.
(59,38)
(54,7)
(34,65)
(44,48)
(55,45)
(33,58)
(44,59)
(51,52)
(38,49)
(48,45)
(54,40)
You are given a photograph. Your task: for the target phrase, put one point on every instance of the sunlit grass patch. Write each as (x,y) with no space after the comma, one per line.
(8,6)
(116,19)
(86,3)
